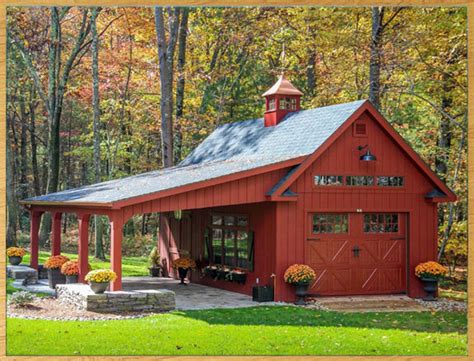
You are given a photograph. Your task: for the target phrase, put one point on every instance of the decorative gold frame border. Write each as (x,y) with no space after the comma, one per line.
(470,14)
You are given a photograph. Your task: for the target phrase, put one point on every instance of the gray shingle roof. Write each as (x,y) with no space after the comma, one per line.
(231,148)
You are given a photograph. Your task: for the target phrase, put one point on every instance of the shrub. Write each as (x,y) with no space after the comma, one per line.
(154,258)
(15,251)
(299,273)
(21,298)
(101,275)
(430,270)
(55,262)
(184,262)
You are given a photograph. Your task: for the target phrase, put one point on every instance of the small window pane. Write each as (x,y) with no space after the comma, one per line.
(360,180)
(229,220)
(326,180)
(384,181)
(330,223)
(242,221)
(380,223)
(216,220)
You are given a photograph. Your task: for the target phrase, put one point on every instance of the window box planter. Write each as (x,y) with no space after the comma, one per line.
(222,275)
(238,277)
(210,272)
(55,277)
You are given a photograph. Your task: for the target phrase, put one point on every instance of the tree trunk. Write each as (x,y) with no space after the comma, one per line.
(183,32)
(375,56)
(12,213)
(34,150)
(311,72)
(99,247)
(166,50)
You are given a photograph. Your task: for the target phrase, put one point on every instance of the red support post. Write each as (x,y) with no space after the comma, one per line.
(35,221)
(116,224)
(56,234)
(83,245)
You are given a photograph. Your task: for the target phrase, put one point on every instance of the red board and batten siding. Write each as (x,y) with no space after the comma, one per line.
(342,158)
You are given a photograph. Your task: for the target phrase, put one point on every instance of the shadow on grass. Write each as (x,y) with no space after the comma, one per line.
(442,322)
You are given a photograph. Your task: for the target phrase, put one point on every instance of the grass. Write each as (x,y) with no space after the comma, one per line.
(246,331)
(131,266)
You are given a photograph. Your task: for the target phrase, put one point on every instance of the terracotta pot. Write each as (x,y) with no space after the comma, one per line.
(55,277)
(99,287)
(15,260)
(72,279)
(430,285)
(301,290)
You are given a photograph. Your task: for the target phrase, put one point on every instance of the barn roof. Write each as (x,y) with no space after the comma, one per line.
(231,148)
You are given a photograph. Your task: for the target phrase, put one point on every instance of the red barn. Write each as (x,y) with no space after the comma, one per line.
(336,188)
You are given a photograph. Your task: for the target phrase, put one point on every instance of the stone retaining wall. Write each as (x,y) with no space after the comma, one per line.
(82,297)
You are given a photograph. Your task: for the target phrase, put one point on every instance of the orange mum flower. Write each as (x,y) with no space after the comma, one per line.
(55,262)
(184,262)
(299,273)
(430,270)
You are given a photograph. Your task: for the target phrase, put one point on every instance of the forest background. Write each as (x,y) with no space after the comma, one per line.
(100,93)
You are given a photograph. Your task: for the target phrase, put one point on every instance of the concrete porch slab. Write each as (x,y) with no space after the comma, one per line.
(22,272)
(382,303)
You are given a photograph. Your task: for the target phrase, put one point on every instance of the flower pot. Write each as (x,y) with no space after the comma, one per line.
(154,271)
(182,272)
(239,277)
(430,285)
(15,260)
(98,287)
(72,279)
(55,277)
(211,272)
(301,290)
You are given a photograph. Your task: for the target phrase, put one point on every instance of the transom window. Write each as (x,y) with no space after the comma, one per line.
(330,223)
(381,223)
(230,240)
(360,180)
(385,181)
(328,180)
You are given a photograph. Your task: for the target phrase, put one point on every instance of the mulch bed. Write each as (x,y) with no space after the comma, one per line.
(49,308)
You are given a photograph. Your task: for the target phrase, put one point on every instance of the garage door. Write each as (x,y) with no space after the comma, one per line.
(357,253)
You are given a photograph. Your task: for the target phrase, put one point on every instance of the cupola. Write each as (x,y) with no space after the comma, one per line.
(282,98)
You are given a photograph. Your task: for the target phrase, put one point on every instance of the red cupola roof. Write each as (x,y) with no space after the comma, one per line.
(282,98)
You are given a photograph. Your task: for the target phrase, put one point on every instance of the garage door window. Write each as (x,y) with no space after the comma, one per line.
(381,223)
(330,223)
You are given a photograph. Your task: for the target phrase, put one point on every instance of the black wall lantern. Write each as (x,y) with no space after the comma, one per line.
(367,156)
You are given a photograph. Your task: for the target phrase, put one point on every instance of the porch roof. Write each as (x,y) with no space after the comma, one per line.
(231,148)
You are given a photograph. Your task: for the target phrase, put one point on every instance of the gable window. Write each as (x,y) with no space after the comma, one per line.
(385,181)
(359,129)
(380,223)
(360,180)
(328,180)
(330,223)
(230,240)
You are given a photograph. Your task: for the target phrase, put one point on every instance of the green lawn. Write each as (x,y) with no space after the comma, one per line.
(246,331)
(131,266)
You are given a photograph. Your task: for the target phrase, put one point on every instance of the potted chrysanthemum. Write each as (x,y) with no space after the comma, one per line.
(100,279)
(154,260)
(53,264)
(429,273)
(183,264)
(71,270)
(300,276)
(15,255)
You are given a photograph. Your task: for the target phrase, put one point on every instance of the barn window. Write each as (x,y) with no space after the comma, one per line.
(271,104)
(230,240)
(360,180)
(385,181)
(330,223)
(328,180)
(380,223)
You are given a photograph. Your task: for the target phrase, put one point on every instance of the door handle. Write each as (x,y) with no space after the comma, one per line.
(356,250)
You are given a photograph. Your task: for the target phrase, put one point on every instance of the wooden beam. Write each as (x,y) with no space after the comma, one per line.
(83,245)
(56,234)
(35,220)
(116,235)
